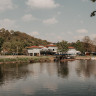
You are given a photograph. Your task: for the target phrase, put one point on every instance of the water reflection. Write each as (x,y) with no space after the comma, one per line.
(62,68)
(13,71)
(86,68)
(83,68)
(51,79)
(1,76)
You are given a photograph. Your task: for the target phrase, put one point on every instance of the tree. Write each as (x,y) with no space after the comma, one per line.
(1,43)
(94,44)
(11,41)
(93,13)
(62,46)
(6,47)
(87,43)
(93,0)
(79,46)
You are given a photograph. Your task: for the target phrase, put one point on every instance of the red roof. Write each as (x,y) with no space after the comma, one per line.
(34,47)
(41,47)
(51,45)
(71,47)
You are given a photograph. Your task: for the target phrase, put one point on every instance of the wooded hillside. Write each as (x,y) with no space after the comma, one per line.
(13,41)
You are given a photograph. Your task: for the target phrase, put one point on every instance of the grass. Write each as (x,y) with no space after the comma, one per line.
(25,58)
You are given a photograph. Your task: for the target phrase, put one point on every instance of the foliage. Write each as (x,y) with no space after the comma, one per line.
(86,45)
(13,41)
(93,13)
(93,0)
(1,42)
(16,42)
(78,45)
(62,46)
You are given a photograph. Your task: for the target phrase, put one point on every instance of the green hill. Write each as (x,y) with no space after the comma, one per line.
(10,41)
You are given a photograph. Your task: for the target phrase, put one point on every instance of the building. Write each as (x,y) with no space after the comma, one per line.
(42,50)
(52,48)
(34,50)
(72,51)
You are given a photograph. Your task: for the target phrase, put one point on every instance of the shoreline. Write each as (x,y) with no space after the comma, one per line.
(25,59)
(80,58)
(34,59)
(84,57)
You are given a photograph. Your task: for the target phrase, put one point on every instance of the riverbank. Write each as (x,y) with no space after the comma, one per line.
(83,57)
(25,59)
(34,59)
(77,58)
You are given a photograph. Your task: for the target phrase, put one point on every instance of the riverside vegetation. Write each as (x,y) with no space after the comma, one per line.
(10,41)
(25,59)
(16,42)
(13,41)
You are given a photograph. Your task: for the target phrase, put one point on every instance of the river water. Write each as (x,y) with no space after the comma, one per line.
(71,78)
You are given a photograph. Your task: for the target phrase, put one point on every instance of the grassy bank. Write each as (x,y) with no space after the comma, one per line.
(25,59)
(33,59)
(83,57)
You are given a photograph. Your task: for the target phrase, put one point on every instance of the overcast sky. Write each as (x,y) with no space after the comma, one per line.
(53,20)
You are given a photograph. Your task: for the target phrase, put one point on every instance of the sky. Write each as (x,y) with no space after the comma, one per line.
(52,20)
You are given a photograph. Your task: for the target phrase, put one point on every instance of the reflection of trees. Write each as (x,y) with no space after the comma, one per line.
(1,75)
(86,68)
(63,70)
(12,72)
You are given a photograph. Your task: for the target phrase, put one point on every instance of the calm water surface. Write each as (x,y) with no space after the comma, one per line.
(72,78)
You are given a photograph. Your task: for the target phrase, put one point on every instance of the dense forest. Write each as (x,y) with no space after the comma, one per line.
(13,41)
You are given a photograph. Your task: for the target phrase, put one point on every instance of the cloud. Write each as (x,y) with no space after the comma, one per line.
(42,4)
(93,35)
(35,33)
(82,22)
(5,5)
(84,0)
(82,31)
(59,13)
(28,17)
(50,21)
(70,33)
(7,23)
(78,37)
(59,38)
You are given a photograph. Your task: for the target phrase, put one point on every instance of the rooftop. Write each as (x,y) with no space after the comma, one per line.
(41,46)
(71,48)
(51,45)
(34,47)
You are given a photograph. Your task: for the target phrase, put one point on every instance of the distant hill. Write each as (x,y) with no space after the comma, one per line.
(11,40)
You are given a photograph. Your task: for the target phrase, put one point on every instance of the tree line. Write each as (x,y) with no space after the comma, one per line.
(85,45)
(16,41)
